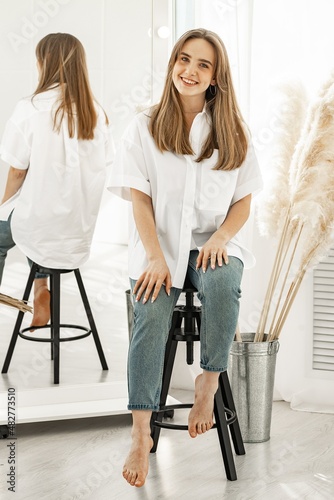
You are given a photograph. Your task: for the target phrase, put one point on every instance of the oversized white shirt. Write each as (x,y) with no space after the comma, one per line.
(56,209)
(190,200)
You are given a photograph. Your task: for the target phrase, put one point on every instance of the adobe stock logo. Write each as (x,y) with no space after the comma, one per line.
(40,18)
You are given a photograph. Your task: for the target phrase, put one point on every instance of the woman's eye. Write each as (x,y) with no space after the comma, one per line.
(203,65)
(184,59)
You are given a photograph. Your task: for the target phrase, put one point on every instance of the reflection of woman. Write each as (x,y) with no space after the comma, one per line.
(57,145)
(189,171)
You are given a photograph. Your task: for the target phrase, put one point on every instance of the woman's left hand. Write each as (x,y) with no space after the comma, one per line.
(212,253)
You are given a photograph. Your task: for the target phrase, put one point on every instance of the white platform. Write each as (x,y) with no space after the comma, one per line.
(63,403)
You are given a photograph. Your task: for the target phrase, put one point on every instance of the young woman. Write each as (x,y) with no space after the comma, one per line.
(58,145)
(189,169)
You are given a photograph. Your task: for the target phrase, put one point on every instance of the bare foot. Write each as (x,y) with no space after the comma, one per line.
(201,414)
(41,307)
(135,468)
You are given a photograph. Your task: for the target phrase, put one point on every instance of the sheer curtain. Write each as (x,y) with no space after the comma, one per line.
(270,42)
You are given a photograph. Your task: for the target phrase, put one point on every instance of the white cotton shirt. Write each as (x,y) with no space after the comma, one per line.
(56,209)
(190,200)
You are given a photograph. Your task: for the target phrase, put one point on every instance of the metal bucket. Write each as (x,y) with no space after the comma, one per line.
(129,310)
(252,374)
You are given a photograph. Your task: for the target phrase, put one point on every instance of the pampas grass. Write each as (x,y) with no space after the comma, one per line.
(274,199)
(274,203)
(18,304)
(308,217)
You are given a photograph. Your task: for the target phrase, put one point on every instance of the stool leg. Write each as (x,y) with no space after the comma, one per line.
(170,352)
(190,352)
(55,325)
(51,318)
(90,319)
(224,437)
(229,403)
(189,326)
(19,320)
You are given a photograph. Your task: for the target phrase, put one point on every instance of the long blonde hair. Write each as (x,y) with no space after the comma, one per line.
(62,62)
(228,135)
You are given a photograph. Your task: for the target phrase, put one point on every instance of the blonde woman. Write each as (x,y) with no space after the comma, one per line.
(189,170)
(58,146)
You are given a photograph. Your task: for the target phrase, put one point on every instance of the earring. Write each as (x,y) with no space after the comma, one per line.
(213,90)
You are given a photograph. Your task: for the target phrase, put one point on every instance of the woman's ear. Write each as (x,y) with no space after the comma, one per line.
(213,81)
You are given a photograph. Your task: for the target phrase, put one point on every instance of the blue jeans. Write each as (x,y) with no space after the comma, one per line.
(6,243)
(219,293)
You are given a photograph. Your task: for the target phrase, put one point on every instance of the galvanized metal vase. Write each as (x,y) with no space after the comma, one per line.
(252,374)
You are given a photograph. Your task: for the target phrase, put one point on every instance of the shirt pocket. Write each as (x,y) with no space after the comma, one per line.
(215,188)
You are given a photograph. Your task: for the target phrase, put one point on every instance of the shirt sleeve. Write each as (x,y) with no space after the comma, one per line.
(249,176)
(15,148)
(129,169)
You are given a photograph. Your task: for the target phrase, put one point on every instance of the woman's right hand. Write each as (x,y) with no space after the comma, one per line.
(155,275)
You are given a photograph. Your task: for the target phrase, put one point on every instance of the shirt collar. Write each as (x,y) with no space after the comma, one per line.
(203,115)
(205,109)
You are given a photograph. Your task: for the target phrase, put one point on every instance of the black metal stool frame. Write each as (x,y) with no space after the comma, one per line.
(224,409)
(55,324)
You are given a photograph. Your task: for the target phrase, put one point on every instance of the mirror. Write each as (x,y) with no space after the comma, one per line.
(119,45)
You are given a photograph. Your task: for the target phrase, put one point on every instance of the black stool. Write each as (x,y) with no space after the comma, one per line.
(55,324)
(224,409)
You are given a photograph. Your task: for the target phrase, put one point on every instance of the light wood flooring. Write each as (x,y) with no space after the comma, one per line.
(82,459)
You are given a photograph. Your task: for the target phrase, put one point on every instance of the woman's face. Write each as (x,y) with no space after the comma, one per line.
(193,70)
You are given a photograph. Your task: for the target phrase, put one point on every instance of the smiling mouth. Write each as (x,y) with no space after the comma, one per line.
(188,82)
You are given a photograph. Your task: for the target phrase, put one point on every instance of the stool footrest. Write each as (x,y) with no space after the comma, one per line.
(186,312)
(87,331)
(186,337)
(178,427)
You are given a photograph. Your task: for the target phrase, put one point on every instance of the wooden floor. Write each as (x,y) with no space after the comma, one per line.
(82,459)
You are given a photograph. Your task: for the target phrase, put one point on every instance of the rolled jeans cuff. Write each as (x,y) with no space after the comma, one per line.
(143,407)
(37,275)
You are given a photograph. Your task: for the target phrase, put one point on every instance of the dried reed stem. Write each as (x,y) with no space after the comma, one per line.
(287,271)
(18,304)
(272,282)
(294,287)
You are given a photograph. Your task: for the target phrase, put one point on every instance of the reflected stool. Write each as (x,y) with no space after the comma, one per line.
(55,326)
(224,410)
